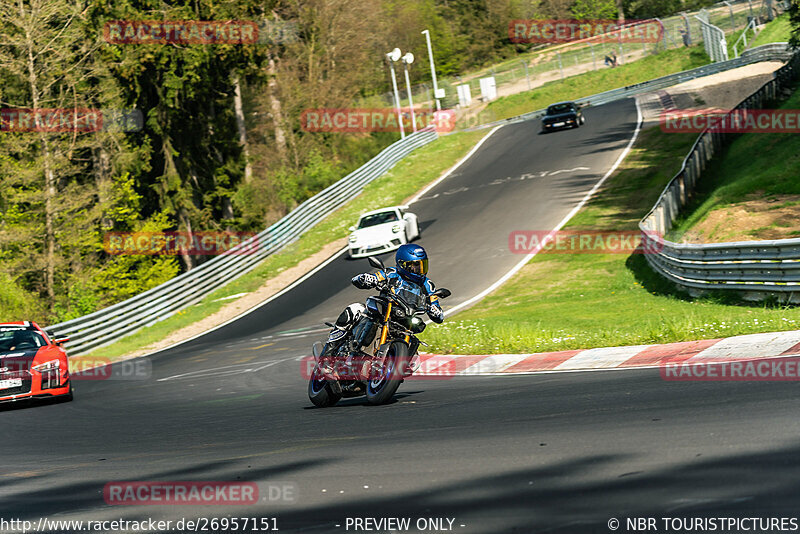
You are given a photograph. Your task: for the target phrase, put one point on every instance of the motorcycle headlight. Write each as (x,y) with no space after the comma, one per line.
(417,325)
(397,228)
(353,238)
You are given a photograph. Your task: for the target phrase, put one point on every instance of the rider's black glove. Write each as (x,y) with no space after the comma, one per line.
(365,281)
(436,313)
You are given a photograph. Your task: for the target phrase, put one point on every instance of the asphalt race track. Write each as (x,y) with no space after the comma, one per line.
(561,452)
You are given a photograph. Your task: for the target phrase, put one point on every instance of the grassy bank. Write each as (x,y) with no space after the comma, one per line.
(755,166)
(570,301)
(776,31)
(407,177)
(605,79)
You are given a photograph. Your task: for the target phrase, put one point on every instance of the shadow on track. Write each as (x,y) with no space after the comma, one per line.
(536,498)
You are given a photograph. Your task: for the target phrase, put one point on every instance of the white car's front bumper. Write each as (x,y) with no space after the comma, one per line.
(358,250)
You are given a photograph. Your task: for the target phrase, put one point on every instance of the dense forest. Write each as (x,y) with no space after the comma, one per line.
(220,146)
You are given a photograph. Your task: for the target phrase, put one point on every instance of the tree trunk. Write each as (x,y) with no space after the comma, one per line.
(50,231)
(275,104)
(186,224)
(49,185)
(238,109)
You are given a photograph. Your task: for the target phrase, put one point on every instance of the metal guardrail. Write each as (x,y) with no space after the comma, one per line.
(743,37)
(124,318)
(758,268)
(768,52)
(713,38)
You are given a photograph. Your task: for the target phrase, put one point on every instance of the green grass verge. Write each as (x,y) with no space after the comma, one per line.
(409,176)
(764,163)
(775,31)
(571,301)
(589,83)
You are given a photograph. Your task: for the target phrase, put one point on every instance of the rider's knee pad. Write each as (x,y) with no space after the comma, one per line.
(350,315)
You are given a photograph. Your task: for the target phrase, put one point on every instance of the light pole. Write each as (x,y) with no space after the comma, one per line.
(408,59)
(393,56)
(433,70)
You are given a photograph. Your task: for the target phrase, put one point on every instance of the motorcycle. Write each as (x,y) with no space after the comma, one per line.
(379,369)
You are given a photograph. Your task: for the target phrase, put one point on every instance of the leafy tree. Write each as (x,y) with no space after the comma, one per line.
(794,19)
(594,9)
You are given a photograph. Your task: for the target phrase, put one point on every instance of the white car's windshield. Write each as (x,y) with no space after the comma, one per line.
(377,218)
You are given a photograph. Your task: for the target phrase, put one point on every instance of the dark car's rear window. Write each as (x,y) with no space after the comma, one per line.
(555,109)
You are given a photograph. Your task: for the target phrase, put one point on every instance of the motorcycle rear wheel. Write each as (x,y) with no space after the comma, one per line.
(380,390)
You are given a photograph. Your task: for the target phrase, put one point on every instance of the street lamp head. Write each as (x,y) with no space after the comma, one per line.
(394,55)
(408,59)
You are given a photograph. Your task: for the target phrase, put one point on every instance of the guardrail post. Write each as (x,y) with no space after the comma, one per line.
(527,77)
(688,29)
(683,190)
(702,156)
(733,19)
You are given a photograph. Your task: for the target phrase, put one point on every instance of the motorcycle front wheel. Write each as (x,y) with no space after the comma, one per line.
(382,387)
(321,391)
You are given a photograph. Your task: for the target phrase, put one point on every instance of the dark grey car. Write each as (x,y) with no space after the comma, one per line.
(562,115)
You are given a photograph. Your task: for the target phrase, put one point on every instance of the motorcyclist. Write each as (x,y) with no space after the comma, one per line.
(408,279)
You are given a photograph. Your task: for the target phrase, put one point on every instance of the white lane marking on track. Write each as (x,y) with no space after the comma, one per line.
(601,358)
(507,179)
(560,225)
(458,164)
(228,370)
(569,170)
(749,346)
(495,363)
(305,333)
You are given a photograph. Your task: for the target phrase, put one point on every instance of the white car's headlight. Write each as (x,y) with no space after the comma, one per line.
(397,228)
(353,238)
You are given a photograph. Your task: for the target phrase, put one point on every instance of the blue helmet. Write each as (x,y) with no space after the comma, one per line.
(412,263)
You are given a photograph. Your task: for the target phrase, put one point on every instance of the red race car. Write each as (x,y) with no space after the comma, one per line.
(32,363)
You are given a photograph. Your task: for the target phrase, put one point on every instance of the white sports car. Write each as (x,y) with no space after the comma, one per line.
(383,230)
